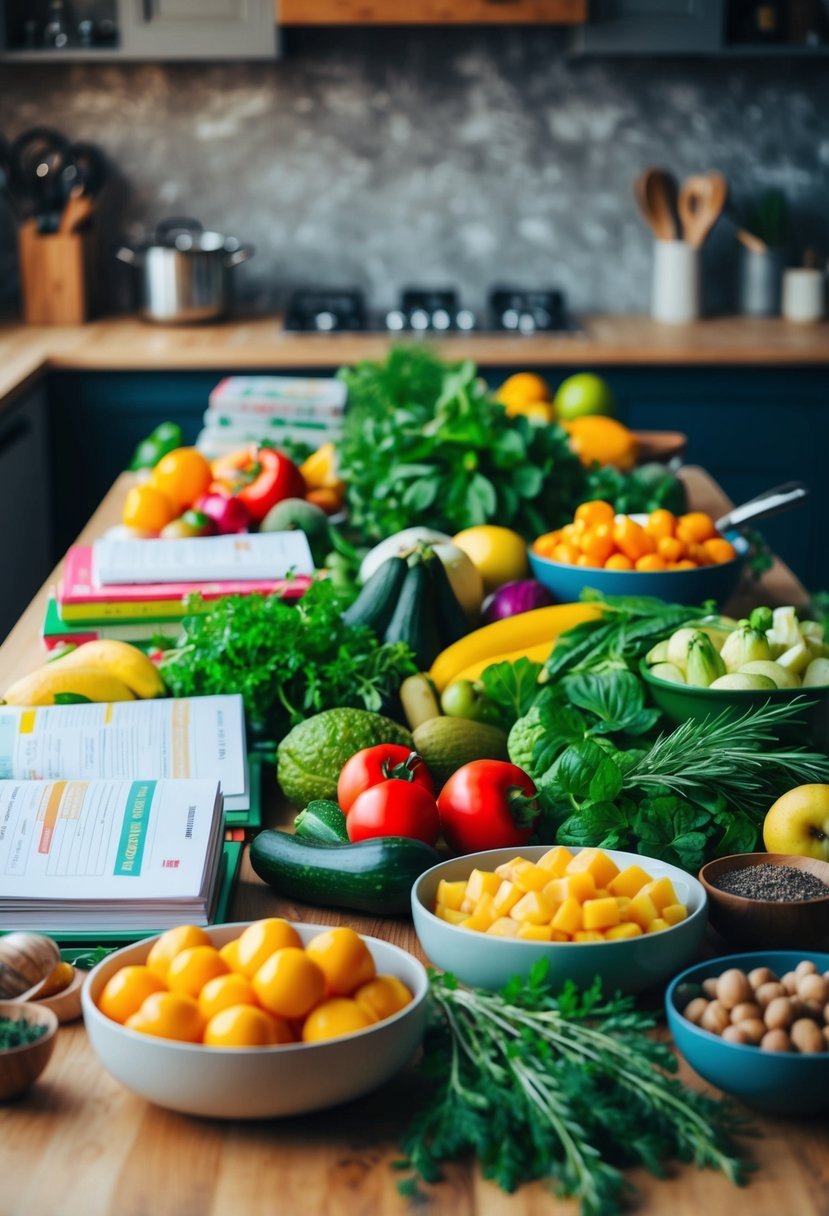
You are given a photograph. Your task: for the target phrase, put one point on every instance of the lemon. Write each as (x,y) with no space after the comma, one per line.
(499,554)
(524,388)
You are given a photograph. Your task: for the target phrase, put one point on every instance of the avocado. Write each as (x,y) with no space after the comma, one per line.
(295,514)
(446,744)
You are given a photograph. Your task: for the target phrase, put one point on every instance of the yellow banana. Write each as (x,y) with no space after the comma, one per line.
(42,685)
(126,663)
(538,654)
(516,632)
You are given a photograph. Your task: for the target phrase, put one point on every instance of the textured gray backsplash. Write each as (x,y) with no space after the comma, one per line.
(452,156)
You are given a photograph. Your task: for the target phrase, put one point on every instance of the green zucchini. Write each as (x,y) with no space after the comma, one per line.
(451,618)
(322,822)
(414,621)
(370,876)
(375,605)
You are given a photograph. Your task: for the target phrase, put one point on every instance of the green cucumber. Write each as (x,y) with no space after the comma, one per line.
(373,876)
(322,822)
(451,618)
(414,621)
(375,605)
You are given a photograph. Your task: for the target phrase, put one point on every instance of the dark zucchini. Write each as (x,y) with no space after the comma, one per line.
(322,822)
(371,876)
(414,621)
(375,604)
(451,618)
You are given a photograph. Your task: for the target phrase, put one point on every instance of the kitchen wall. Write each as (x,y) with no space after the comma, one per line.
(388,157)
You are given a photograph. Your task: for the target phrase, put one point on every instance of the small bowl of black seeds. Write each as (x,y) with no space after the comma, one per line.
(768,900)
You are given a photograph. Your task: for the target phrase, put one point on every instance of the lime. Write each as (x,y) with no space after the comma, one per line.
(583,394)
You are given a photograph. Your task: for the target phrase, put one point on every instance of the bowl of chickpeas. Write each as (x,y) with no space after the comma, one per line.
(678,558)
(757,1026)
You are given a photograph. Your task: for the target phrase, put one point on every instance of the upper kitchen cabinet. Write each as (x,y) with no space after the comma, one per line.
(55,30)
(431,12)
(619,27)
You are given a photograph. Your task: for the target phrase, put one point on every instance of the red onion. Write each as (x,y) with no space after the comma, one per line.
(514,598)
(227,513)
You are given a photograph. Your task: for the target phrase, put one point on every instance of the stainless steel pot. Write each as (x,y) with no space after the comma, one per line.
(185,271)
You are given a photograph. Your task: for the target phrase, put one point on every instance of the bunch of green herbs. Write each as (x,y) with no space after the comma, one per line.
(570,1089)
(17,1032)
(287,660)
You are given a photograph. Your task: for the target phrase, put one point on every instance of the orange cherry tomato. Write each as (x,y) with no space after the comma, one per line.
(651,562)
(660,523)
(685,563)
(224,991)
(597,545)
(261,939)
(618,561)
(169,1015)
(695,526)
(719,550)
(697,554)
(171,943)
(571,533)
(125,992)
(334,1018)
(193,968)
(670,548)
(290,983)
(595,512)
(567,554)
(344,957)
(244,1026)
(382,997)
(587,562)
(632,539)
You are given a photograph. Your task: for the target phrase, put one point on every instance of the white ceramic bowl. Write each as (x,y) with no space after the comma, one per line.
(257,1082)
(629,965)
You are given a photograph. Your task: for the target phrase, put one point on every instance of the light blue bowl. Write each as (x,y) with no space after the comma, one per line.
(716,583)
(629,965)
(784,1083)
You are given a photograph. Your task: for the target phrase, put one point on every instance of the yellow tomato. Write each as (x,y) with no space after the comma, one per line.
(334,1018)
(147,508)
(230,953)
(223,991)
(261,939)
(183,475)
(191,969)
(169,1015)
(382,997)
(499,554)
(125,992)
(171,943)
(289,983)
(245,1026)
(344,958)
(319,470)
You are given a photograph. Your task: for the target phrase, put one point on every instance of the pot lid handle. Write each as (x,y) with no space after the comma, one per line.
(166,229)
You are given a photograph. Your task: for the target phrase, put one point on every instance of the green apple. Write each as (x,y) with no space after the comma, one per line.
(583,394)
(798,823)
(466,699)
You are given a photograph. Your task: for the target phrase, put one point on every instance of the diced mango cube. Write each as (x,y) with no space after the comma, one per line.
(595,862)
(532,907)
(662,892)
(600,913)
(505,869)
(451,894)
(602,893)
(481,882)
(484,909)
(622,903)
(642,910)
(657,925)
(555,860)
(451,915)
(674,913)
(503,927)
(560,936)
(568,918)
(530,877)
(629,881)
(620,932)
(571,886)
(588,935)
(467,906)
(480,921)
(506,897)
(535,933)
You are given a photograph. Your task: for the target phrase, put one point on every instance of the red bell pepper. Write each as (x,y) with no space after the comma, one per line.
(259,478)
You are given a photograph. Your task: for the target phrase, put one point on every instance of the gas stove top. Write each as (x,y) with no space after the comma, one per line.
(430,311)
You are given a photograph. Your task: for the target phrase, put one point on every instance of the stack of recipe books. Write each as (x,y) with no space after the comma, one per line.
(140,590)
(250,409)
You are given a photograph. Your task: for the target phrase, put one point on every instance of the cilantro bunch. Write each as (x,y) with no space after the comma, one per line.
(288,660)
(569,1088)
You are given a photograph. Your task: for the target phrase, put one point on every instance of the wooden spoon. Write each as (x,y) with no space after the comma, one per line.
(655,192)
(702,198)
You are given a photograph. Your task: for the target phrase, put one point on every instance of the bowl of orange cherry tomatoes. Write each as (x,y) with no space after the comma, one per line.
(679,558)
(255,1020)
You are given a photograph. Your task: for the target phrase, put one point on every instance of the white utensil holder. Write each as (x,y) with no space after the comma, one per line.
(675,290)
(804,293)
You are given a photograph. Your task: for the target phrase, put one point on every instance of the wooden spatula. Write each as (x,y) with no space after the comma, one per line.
(702,198)
(655,192)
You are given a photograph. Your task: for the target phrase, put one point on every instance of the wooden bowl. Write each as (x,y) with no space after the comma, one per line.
(66,1004)
(21,1066)
(660,445)
(770,924)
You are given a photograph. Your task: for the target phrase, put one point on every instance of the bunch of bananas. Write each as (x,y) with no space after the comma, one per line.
(105,670)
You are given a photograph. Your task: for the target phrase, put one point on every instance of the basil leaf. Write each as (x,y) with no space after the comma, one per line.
(615,697)
(560,726)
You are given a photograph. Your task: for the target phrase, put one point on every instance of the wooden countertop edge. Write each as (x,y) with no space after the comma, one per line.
(260,343)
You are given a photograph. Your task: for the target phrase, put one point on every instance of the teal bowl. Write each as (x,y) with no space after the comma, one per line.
(623,966)
(783,1083)
(679,702)
(717,583)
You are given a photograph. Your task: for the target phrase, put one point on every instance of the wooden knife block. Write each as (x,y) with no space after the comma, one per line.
(55,273)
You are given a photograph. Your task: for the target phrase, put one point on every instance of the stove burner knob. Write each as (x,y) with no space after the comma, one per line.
(509,318)
(441,319)
(526,323)
(465,319)
(395,320)
(324,321)
(420,319)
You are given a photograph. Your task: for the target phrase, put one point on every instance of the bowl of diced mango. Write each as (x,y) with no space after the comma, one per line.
(630,920)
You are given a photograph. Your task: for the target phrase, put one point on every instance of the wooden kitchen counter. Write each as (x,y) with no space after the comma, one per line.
(78,1144)
(127,343)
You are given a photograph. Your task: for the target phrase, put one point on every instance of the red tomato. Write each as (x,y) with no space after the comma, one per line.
(375,764)
(476,806)
(394,808)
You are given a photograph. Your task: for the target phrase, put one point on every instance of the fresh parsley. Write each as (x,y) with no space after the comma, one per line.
(569,1088)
